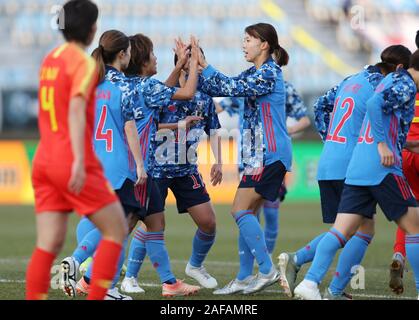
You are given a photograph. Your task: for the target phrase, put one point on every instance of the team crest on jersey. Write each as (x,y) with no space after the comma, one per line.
(172,108)
(138,113)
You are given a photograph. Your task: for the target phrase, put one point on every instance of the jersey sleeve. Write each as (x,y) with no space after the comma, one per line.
(322,109)
(128,101)
(83,78)
(294,105)
(157,94)
(248,84)
(388,99)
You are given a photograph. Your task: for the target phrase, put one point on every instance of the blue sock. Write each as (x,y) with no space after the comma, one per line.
(306,254)
(84,227)
(156,250)
(412,254)
(352,255)
(201,245)
(120,264)
(87,246)
(253,235)
(271,212)
(326,251)
(137,253)
(246,259)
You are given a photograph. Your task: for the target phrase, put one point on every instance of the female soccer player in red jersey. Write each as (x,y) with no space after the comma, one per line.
(67,176)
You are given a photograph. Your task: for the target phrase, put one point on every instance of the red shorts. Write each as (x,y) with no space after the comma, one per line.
(411,171)
(50,184)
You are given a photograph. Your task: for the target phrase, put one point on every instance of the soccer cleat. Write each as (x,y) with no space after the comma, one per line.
(130,285)
(328,295)
(179,289)
(262,281)
(235,286)
(307,290)
(82,287)
(396,275)
(68,279)
(114,294)
(202,276)
(85,265)
(289,270)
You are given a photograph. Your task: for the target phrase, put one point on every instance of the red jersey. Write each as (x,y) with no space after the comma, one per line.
(414,127)
(65,73)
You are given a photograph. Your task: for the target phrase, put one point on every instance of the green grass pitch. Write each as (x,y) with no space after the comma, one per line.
(299,223)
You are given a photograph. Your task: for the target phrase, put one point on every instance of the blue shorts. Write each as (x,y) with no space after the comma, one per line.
(393,195)
(142,200)
(189,191)
(268,182)
(330,194)
(127,195)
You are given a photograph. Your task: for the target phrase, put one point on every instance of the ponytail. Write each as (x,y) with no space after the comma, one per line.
(281,56)
(393,56)
(111,43)
(97,54)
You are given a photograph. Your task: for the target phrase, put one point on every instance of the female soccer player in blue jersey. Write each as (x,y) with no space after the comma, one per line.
(339,114)
(153,97)
(295,110)
(375,176)
(266,145)
(117,146)
(181,126)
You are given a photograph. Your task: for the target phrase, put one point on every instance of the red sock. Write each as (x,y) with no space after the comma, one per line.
(38,275)
(105,263)
(399,244)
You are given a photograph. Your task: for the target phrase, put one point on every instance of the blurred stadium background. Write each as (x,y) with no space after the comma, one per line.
(326,39)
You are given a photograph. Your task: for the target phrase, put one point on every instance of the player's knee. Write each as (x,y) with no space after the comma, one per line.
(52,245)
(208,226)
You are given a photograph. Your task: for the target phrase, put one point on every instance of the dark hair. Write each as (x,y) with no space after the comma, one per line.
(414,60)
(266,32)
(111,43)
(417,39)
(76,19)
(141,48)
(176,58)
(393,56)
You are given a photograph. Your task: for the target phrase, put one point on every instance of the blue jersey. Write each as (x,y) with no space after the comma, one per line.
(265,138)
(294,108)
(294,105)
(389,114)
(175,150)
(347,105)
(152,96)
(115,105)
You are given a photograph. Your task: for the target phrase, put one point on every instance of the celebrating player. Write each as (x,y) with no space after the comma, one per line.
(347,104)
(156,95)
(266,146)
(295,110)
(374,176)
(181,127)
(66,173)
